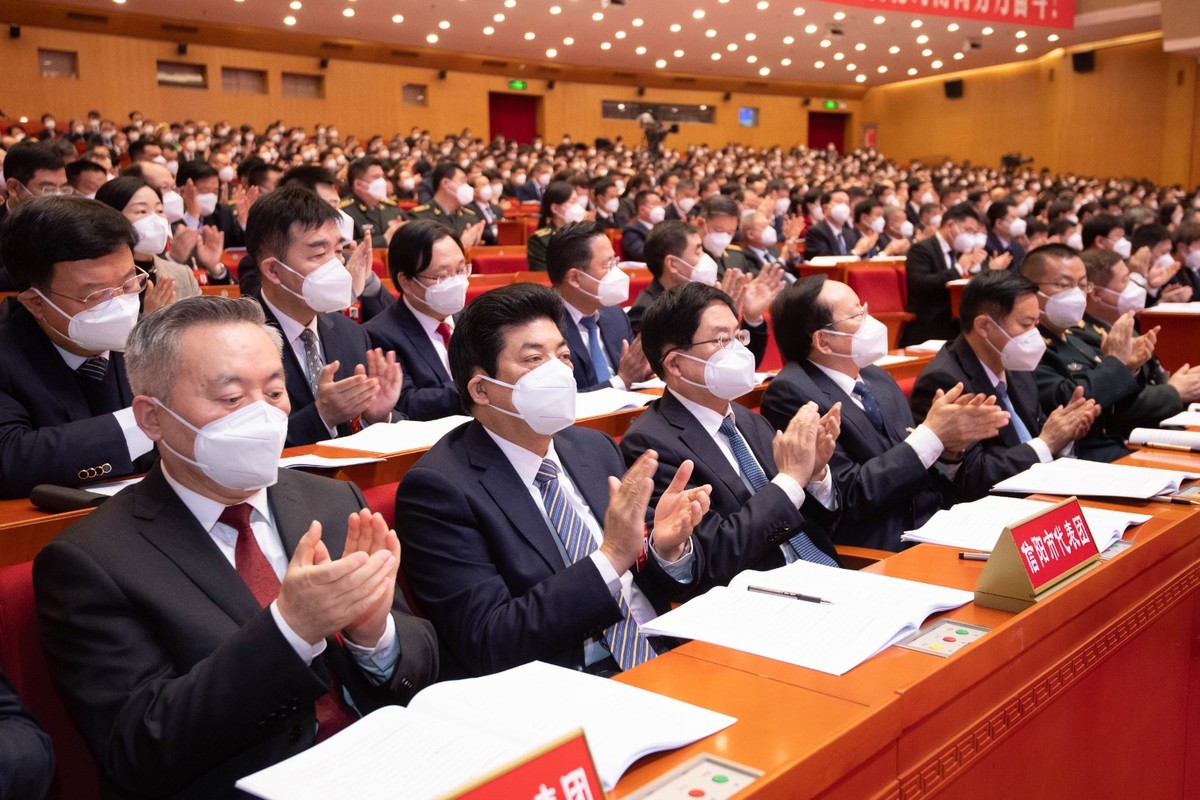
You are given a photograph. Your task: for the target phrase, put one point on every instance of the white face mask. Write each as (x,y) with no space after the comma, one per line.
(407,184)
(870,342)
(1193,259)
(1021,353)
(173,168)
(239,451)
(1017,228)
(1132,298)
(226,174)
(105,327)
(877,224)
(839,213)
(686,204)
(728,373)
(447,297)
(484,193)
(817,213)
(152,231)
(782,205)
(613,289)
(1075,240)
(1123,247)
(928,197)
(703,271)
(573,213)
(173,206)
(327,288)
(935,221)
(208,203)
(965,242)
(611,205)
(906,229)
(657,215)
(497,190)
(717,242)
(543,179)
(464,194)
(1065,309)
(345,226)
(377,189)
(769,236)
(544,397)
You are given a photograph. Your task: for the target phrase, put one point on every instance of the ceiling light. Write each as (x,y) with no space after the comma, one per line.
(619,34)
(498,18)
(444,25)
(851,67)
(839,56)
(295,5)
(551,53)
(882,70)
(661,64)
(789,40)
(936,65)
(860,47)
(825,43)
(952,27)
(289,20)
(679,54)
(731,47)
(798,11)
(880,20)
(568,41)
(958,56)
(927,52)
(606,45)
(710,33)
(347,12)
(819,65)
(597,17)
(397,18)
(787,62)
(988,31)
(530,36)
(510,3)
(432,38)
(1020,34)
(716,56)
(810,28)
(639,22)
(676,28)
(764,71)
(839,15)
(912,70)
(916,23)
(1052,37)
(750,37)
(641,51)
(861,78)
(555,9)
(751,59)
(489,30)
(1021,48)
(893,49)
(698,13)
(922,39)
(763,5)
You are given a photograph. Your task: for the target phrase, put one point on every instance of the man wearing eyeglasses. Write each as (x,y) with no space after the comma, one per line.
(773,500)
(65,415)
(583,269)
(31,169)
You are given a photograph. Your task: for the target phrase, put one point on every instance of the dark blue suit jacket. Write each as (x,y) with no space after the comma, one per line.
(821,240)
(742,530)
(482,561)
(927,272)
(530,192)
(988,462)
(633,241)
(48,431)
(995,247)
(429,391)
(341,340)
(614,329)
(883,488)
(26,755)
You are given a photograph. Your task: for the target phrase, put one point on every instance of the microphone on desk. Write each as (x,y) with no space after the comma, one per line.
(49,497)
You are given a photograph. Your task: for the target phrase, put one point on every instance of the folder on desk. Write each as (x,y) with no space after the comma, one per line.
(395,437)
(1070,476)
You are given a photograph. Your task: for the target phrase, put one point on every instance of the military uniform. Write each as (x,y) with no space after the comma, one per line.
(458,220)
(537,247)
(734,257)
(1127,400)
(378,218)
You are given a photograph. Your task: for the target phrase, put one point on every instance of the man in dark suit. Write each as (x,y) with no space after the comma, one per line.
(223,614)
(1187,253)
(518,543)
(65,414)
(31,169)
(770,497)
(954,252)
(427,263)
(649,209)
(604,350)
(1006,229)
(884,464)
(337,383)
(486,209)
(200,186)
(717,222)
(26,756)
(832,236)
(531,191)
(997,352)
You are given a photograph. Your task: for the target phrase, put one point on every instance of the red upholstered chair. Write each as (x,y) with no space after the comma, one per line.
(879,288)
(382,500)
(493,264)
(638,279)
(902,276)
(75,776)
(772,360)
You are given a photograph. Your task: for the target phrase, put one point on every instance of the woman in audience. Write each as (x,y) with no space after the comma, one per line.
(560,205)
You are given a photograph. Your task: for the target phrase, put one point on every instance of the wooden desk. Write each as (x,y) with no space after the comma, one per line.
(1178,341)
(956,289)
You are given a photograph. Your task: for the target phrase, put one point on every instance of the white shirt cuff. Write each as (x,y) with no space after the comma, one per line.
(306,651)
(607,573)
(192,222)
(926,444)
(823,490)
(791,488)
(1042,449)
(379,661)
(135,439)
(617,382)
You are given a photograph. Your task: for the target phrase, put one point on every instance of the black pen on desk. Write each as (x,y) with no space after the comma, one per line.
(808,598)
(963,556)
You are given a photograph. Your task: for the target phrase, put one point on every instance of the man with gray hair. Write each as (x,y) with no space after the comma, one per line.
(222,614)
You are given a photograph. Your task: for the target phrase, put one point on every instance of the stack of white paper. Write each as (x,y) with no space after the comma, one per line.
(888,360)
(653,383)
(1070,476)
(1153,436)
(606,401)
(396,437)
(977,525)
(927,346)
(455,731)
(324,462)
(1184,419)
(865,613)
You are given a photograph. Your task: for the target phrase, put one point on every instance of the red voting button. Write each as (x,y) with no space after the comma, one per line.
(948,639)
(696,793)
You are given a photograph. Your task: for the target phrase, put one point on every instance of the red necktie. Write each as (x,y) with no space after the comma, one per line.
(333,714)
(443,330)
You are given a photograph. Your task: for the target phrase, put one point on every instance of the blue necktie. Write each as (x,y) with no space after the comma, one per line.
(841,244)
(626,642)
(1014,418)
(803,546)
(94,369)
(596,350)
(873,412)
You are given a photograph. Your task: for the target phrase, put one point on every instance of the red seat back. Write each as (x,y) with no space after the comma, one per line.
(772,360)
(75,776)
(492,264)
(382,500)
(902,277)
(878,287)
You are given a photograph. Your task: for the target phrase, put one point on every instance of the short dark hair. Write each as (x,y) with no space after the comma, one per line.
(1099,225)
(998,210)
(258,175)
(960,211)
(194,171)
(865,207)
(45,231)
(1187,233)
(643,197)
(992,292)
(674,317)
(308,176)
(479,333)
(119,191)
(138,149)
(269,224)
(667,238)
(27,158)
(411,248)
(359,166)
(570,248)
(443,170)
(1099,264)
(557,193)
(77,168)
(1148,236)
(1034,264)
(796,314)
(719,205)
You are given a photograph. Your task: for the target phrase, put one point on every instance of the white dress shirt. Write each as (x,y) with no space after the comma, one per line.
(136,441)
(576,317)
(1039,445)
(429,325)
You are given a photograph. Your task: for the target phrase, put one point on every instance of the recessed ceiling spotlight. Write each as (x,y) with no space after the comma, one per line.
(619,35)
(1021,48)
(851,67)
(839,56)
(710,33)
(661,63)
(798,11)
(959,56)
(530,36)
(893,49)
(1020,34)
(568,41)
(751,59)
(639,22)
(289,20)
(861,78)
(880,20)
(716,56)
(927,52)
(912,70)
(598,16)
(750,37)
(882,70)
(347,12)
(787,62)
(731,47)
(698,13)
(936,64)
(489,30)
(764,71)
(789,40)
(988,31)
(826,42)
(1052,37)
(810,28)
(860,47)
(555,9)
(397,18)
(819,65)
(676,28)
(432,38)
(444,25)
(678,54)
(641,50)
(763,5)
(839,15)
(922,39)
(551,53)
(606,45)
(916,23)
(498,18)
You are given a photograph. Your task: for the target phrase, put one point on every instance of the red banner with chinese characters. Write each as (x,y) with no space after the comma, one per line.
(561,771)
(1053,544)
(1038,13)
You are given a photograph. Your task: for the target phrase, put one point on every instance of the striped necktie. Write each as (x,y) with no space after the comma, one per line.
(313,363)
(94,368)
(628,645)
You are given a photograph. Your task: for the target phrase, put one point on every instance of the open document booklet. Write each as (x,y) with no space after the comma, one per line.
(455,731)
(862,613)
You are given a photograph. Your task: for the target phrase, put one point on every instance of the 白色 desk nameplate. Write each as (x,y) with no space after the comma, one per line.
(1036,556)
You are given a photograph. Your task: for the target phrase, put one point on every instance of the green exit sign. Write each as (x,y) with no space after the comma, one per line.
(517,85)
(830,104)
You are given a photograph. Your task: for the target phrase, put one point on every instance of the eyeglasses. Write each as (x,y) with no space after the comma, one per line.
(50,191)
(465,272)
(861,314)
(135,285)
(723,342)
(1084,285)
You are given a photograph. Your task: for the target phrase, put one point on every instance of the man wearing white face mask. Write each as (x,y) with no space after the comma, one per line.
(583,270)
(65,415)
(718,225)
(649,208)
(1107,369)
(202,204)
(450,204)
(997,353)
(1185,283)
(607,200)
(223,614)
(773,499)
(897,233)
(832,236)
(884,463)
(521,541)
(1006,231)
(486,208)
(370,204)
(336,382)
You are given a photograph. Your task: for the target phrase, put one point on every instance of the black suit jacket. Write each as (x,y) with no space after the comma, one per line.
(370,306)
(429,391)
(178,680)
(988,462)
(530,192)
(48,430)
(743,530)
(633,241)
(995,247)
(26,756)
(614,329)
(489,229)
(882,486)
(927,273)
(341,340)
(482,561)
(821,240)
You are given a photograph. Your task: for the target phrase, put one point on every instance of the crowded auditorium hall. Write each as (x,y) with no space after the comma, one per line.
(392,393)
